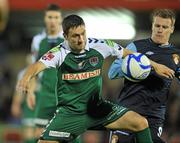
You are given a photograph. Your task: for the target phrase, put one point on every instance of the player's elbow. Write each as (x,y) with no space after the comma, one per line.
(110,75)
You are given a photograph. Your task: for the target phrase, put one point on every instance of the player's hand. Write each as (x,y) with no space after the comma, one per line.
(163,70)
(31,101)
(22,87)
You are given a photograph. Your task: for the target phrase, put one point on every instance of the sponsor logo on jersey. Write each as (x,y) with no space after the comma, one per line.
(149,53)
(94,61)
(59,134)
(48,56)
(81,64)
(176,58)
(81,76)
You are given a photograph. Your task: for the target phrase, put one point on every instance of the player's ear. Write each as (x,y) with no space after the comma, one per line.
(65,35)
(152,26)
(172,29)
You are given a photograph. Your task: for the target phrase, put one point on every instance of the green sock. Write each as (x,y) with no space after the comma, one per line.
(144,136)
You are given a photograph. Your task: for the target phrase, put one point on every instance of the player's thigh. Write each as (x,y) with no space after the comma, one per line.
(130,120)
(64,127)
(108,118)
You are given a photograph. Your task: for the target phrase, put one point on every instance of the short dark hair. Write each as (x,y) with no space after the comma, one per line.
(164,13)
(53,7)
(71,21)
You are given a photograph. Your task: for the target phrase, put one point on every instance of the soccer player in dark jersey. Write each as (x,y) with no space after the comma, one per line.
(79,61)
(149,97)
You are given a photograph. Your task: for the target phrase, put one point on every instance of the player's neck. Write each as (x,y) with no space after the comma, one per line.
(54,32)
(159,43)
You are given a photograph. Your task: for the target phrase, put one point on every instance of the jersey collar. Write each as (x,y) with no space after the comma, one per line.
(159,45)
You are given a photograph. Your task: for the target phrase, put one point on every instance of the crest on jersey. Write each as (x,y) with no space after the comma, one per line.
(94,61)
(48,56)
(149,53)
(176,58)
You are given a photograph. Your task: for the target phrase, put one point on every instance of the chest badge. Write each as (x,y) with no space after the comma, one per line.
(176,58)
(94,61)
(149,53)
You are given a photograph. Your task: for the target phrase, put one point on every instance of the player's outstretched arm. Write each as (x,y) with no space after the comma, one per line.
(23,86)
(127,52)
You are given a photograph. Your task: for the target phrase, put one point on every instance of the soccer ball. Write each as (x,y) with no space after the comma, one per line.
(136,67)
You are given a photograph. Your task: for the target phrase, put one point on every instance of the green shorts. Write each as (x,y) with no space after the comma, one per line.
(45,109)
(66,127)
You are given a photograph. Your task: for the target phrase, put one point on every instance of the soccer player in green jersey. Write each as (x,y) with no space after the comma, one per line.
(45,99)
(79,62)
(19,109)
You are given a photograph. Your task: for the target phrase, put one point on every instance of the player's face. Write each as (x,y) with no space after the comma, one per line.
(162,28)
(76,38)
(53,21)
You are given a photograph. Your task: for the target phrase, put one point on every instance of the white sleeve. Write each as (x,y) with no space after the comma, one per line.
(34,51)
(53,58)
(109,48)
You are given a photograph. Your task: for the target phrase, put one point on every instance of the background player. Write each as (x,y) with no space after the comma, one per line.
(19,109)
(45,99)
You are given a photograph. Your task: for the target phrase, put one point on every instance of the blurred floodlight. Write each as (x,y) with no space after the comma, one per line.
(109,24)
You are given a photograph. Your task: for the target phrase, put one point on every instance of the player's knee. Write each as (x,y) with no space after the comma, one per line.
(138,122)
(142,124)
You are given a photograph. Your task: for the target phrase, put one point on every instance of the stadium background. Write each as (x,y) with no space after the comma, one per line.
(26,19)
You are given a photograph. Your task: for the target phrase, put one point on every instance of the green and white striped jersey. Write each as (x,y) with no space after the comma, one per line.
(80,75)
(47,80)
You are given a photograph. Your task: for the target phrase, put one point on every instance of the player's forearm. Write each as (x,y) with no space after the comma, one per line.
(126,52)
(154,64)
(33,70)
